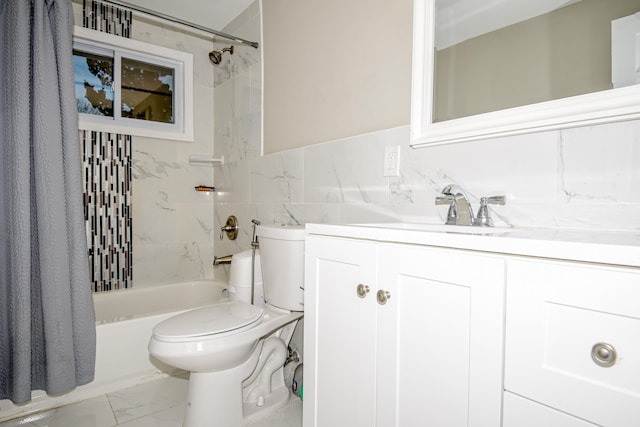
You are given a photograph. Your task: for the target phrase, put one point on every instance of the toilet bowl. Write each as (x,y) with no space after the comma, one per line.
(235,351)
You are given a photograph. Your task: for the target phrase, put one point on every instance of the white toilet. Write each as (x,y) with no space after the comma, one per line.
(235,351)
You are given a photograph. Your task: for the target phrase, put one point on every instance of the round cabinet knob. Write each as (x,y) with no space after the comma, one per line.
(362,290)
(604,354)
(383,297)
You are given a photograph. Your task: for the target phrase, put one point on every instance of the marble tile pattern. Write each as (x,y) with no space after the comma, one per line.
(155,404)
(581,178)
(171,222)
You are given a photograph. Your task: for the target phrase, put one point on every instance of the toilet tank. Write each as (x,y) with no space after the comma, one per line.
(240,277)
(282,256)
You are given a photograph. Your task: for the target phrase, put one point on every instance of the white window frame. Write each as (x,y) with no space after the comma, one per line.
(182,64)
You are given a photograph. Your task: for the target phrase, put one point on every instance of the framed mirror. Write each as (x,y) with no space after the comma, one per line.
(486,69)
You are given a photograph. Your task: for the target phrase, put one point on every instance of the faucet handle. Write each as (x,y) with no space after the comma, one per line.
(494,200)
(484,217)
(450,200)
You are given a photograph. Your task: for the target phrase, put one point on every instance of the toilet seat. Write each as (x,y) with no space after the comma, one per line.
(224,318)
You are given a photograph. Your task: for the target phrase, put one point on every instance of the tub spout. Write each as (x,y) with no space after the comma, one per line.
(217,260)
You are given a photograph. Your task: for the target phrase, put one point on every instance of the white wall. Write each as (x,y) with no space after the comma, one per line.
(576,178)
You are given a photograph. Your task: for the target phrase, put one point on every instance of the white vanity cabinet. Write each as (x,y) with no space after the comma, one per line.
(502,328)
(401,335)
(572,344)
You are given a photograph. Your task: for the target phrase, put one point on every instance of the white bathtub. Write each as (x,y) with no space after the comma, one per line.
(124,320)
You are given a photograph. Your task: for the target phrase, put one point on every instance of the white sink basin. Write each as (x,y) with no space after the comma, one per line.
(439,228)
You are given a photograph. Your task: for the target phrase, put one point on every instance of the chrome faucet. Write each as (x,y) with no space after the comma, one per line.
(460,210)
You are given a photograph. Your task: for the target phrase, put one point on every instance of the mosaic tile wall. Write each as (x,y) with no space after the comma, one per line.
(106,161)
(106,18)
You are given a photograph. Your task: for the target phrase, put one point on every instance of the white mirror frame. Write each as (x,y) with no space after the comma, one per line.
(594,108)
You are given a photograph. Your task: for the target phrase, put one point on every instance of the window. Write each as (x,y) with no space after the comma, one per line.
(127,86)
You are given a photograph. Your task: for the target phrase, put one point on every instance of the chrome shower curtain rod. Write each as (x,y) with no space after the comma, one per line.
(179,21)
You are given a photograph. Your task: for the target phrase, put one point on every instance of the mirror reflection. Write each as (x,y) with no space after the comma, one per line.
(496,55)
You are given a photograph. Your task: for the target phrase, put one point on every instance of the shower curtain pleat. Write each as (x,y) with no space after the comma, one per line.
(47,323)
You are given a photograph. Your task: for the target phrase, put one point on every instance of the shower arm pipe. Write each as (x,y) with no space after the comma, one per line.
(180,21)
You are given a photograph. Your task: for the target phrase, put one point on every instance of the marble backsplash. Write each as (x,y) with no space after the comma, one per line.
(582,178)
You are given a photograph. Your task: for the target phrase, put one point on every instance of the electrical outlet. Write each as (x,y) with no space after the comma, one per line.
(392,161)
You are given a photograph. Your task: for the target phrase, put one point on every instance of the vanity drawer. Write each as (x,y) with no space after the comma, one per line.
(573,339)
(521,412)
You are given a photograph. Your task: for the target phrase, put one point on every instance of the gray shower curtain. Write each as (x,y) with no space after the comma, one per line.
(47,325)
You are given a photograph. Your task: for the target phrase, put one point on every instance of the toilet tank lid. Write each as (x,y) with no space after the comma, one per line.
(281,231)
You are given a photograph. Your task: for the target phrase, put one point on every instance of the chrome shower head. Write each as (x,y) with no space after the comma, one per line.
(215,56)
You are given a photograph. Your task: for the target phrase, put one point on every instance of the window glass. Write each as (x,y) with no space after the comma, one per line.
(93,83)
(147,91)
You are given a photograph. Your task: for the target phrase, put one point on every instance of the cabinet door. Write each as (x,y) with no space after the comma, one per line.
(573,339)
(340,341)
(440,337)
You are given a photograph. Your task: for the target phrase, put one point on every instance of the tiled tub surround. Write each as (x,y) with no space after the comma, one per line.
(171,223)
(237,128)
(124,324)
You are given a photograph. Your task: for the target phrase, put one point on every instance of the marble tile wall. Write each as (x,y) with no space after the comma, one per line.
(172,224)
(237,130)
(582,178)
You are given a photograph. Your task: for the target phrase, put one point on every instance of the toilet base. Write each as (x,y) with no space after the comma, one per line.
(277,399)
(213,405)
(265,390)
(219,399)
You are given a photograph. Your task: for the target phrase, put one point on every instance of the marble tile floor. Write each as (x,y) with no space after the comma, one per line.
(155,404)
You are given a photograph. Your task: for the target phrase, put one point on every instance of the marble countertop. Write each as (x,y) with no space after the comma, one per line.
(605,247)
